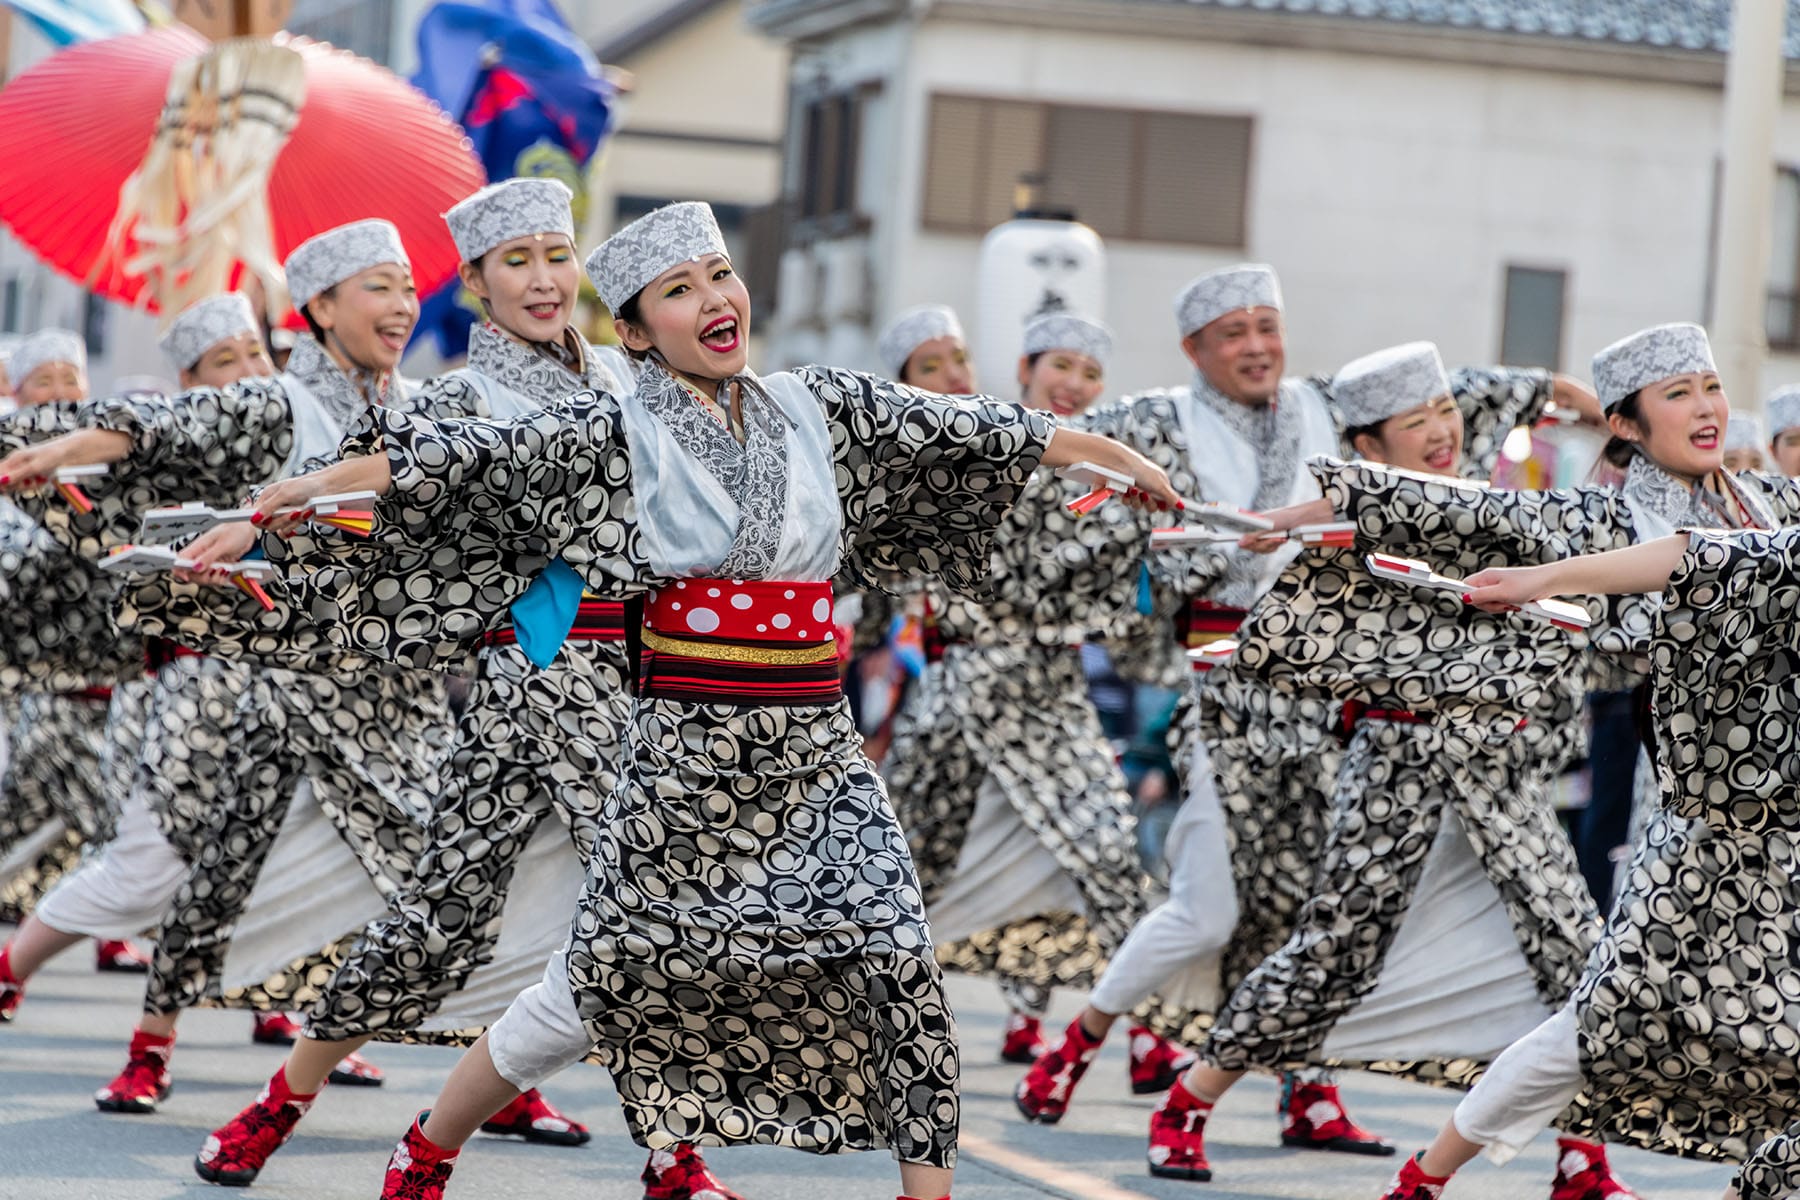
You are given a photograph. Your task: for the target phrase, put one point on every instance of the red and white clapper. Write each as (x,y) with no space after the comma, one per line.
(1331,535)
(1559,613)
(247,576)
(352,512)
(1336,535)
(68,482)
(1213,654)
(1103,485)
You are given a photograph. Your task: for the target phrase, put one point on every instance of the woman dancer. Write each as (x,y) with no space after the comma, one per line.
(366,743)
(924,347)
(750,952)
(1682,1034)
(1437,749)
(536,746)
(1009,792)
(1784,431)
(75,742)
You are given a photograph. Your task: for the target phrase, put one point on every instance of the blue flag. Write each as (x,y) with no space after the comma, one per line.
(533,100)
(66,22)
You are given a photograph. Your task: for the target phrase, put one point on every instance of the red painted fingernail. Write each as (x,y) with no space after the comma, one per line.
(1468,599)
(256,518)
(1180,505)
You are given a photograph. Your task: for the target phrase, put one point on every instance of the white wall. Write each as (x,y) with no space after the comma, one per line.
(683,85)
(1389,193)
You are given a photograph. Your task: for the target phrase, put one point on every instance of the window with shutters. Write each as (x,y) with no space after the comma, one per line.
(1133,174)
(1783,318)
(830,127)
(1531,328)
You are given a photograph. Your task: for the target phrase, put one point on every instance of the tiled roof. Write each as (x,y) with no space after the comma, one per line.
(1657,24)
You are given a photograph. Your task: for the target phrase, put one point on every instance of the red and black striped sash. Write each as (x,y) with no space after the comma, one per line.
(595,621)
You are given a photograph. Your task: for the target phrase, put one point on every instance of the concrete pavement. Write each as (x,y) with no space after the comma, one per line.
(71,1033)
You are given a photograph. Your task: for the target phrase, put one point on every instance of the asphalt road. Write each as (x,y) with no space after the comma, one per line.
(70,1038)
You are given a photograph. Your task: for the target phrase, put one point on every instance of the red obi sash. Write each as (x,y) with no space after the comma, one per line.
(1203,622)
(1356,712)
(745,642)
(160,652)
(595,621)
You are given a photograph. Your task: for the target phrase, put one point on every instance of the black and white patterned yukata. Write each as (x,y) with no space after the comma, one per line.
(1441,827)
(535,754)
(750,953)
(1689,1014)
(1259,762)
(76,679)
(1001,737)
(335,760)
(1682,1036)
(174,778)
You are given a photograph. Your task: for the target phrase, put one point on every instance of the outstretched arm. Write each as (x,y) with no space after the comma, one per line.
(33,465)
(1068,447)
(1643,568)
(284,505)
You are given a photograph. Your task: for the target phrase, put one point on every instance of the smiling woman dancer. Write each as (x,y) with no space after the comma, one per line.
(1010,794)
(366,744)
(750,953)
(1723,657)
(1328,992)
(537,745)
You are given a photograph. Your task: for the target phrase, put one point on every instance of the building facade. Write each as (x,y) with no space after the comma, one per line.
(1518,180)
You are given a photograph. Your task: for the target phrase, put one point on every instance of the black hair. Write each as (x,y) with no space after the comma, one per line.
(1372,430)
(1031,362)
(487,312)
(632,311)
(1620,451)
(318,331)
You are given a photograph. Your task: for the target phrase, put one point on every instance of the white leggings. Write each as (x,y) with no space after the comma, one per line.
(541,1031)
(1196,921)
(1525,1089)
(125,888)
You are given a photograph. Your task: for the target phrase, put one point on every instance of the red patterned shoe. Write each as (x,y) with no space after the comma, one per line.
(419,1168)
(1044,1094)
(237,1150)
(1313,1118)
(12,989)
(274,1029)
(145,1082)
(1582,1173)
(1156,1062)
(681,1174)
(537,1120)
(353,1070)
(122,957)
(1412,1183)
(1178,1137)
(1024,1039)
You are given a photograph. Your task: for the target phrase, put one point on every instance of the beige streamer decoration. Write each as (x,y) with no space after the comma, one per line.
(199,202)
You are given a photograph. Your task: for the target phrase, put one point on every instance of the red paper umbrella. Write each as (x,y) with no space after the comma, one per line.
(77,126)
